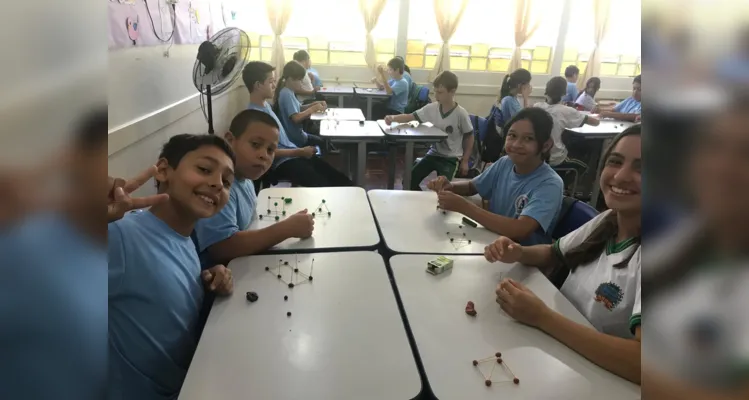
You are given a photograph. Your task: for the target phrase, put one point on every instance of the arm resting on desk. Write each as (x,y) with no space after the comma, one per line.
(540,256)
(246,243)
(463,188)
(619,116)
(518,229)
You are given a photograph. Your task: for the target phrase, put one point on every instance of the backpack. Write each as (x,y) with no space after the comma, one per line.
(418,97)
(491,142)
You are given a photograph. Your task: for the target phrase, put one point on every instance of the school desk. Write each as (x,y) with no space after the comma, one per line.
(343,339)
(370,94)
(339,114)
(411,223)
(338,92)
(605,132)
(349,226)
(448,339)
(355,133)
(408,134)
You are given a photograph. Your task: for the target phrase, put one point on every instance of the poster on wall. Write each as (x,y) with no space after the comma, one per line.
(193,22)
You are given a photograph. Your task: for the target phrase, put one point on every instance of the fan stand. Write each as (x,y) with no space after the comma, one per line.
(210,109)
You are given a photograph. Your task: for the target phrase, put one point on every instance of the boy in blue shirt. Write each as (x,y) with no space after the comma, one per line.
(571,73)
(396,88)
(631,108)
(253,135)
(524,193)
(155,280)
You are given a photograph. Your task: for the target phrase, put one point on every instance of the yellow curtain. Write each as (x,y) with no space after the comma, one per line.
(601,14)
(279,12)
(448,14)
(371,10)
(524,29)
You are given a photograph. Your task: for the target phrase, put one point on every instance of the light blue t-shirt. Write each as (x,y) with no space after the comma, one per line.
(53,338)
(234,217)
(399,98)
(408,79)
(289,105)
(509,107)
(571,94)
(155,295)
(537,195)
(316,75)
(283,140)
(629,106)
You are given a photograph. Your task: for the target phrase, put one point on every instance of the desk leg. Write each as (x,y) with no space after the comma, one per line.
(596,189)
(408,163)
(369,108)
(340,101)
(361,163)
(393,150)
(346,161)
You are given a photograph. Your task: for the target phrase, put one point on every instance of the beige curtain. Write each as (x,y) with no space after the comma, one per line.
(524,29)
(371,10)
(601,14)
(279,12)
(448,14)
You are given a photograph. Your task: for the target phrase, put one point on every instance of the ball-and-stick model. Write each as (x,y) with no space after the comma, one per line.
(322,210)
(276,207)
(458,239)
(295,277)
(496,360)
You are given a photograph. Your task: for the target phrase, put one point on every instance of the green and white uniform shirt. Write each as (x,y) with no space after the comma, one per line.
(455,123)
(608,297)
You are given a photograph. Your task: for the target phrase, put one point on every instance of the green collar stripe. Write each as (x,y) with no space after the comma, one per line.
(445,115)
(614,248)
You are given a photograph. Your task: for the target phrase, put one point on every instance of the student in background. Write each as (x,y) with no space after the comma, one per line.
(599,264)
(587,99)
(156,286)
(453,153)
(307,91)
(297,165)
(629,109)
(290,111)
(407,74)
(518,83)
(253,135)
(524,193)
(564,118)
(571,73)
(396,87)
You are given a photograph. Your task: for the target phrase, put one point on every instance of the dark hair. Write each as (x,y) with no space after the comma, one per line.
(571,71)
(179,145)
(397,64)
(542,122)
(92,132)
(447,80)
(292,70)
(556,88)
(595,81)
(254,72)
(245,117)
(301,56)
(638,79)
(520,76)
(592,247)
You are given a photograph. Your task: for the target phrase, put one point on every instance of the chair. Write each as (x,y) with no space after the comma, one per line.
(480,130)
(574,214)
(574,180)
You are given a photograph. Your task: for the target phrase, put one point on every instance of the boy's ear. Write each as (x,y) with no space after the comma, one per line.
(162,169)
(229,137)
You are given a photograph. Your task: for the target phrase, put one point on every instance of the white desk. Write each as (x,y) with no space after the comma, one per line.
(410,223)
(344,339)
(448,339)
(605,131)
(359,133)
(370,94)
(349,227)
(408,134)
(339,114)
(337,91)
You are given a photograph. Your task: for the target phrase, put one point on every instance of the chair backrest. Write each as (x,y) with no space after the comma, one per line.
(423,94)
(574,214)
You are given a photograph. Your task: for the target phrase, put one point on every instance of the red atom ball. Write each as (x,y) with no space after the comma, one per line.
(498,354)
(475,363)
(488,382)
(499,361)
(516,381)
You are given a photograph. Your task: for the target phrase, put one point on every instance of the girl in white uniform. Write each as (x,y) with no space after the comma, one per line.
(599,264)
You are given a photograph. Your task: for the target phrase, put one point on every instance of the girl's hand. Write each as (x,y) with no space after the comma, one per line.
(526,90)
(503,250)
(521,303)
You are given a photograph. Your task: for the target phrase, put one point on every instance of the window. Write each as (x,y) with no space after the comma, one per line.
(621,49)
(485,38)
(332,31)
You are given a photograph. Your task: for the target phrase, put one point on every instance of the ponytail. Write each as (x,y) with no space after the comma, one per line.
(520,76)
(504,90)
(293,70)
(279,86)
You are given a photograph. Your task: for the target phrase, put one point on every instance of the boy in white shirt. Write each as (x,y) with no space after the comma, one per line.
(308,91)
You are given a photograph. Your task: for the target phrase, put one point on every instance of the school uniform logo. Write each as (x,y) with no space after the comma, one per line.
(609,294)
(520,203)
(449,129)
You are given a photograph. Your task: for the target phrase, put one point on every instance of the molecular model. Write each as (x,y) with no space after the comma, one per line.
(295,276)
(459,240)
(319,210)
(496,360)
(277,211)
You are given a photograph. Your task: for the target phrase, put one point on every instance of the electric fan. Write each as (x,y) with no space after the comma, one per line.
(219,63)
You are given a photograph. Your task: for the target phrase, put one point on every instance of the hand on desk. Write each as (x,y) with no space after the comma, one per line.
(299,225)
(503,250)
(389,119)
(439,184)
(450,201)
(521,303)
(218,279)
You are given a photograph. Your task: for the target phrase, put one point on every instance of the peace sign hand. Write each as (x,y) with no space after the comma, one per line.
(119,200)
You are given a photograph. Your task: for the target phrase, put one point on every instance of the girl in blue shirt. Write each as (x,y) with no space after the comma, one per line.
(514,84)
(290,111)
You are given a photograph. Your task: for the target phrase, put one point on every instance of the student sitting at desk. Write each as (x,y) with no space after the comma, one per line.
(449,117)
(396,87)
(524,193)
(629,109)
(156,286)
(307,90)
(290,111)
(571,73)
(518,83)
(599,264)
(587,99)
(297,165)
(253,135)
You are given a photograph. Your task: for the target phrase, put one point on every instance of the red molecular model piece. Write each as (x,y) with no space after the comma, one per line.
(488,382)
(516,381)
(503,366)
(470,309)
